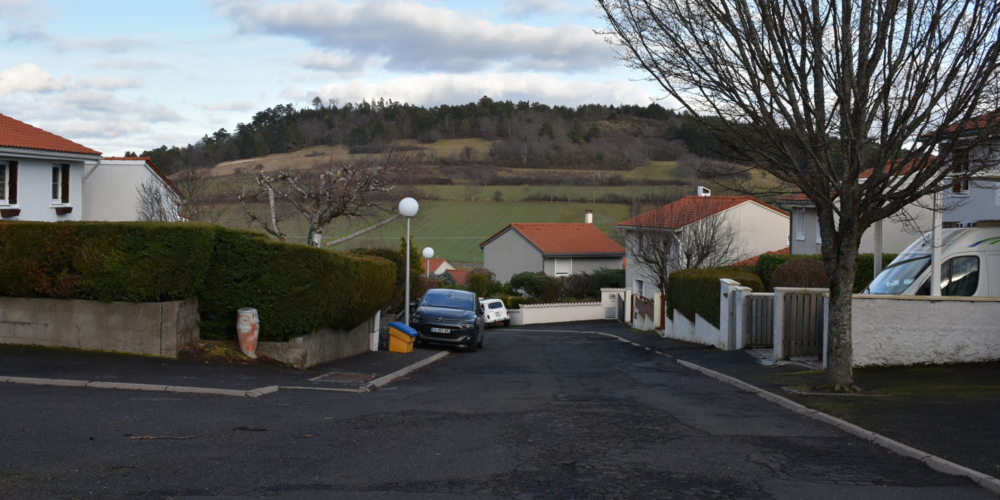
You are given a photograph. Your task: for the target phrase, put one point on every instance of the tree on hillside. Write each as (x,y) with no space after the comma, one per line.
(657,251)
(325,193)
(816,92)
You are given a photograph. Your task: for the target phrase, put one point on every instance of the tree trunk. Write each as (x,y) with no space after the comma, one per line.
(840,253)
(315,235)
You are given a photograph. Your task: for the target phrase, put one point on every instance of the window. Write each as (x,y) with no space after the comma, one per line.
(60,183)
(800,224)
(564,267)
(896,278)
(8,183)
(960,167)
(959,278)
(639,287)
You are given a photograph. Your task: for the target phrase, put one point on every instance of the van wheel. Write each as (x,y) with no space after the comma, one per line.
(506,322)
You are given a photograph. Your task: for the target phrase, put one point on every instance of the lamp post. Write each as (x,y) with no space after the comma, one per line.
(428,253)
(408,208)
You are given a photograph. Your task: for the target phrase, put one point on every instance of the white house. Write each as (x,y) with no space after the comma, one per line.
(112,190)
(437,266)
(760,228)
(41,174)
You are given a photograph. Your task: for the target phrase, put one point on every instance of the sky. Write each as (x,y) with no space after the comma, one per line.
(126,75)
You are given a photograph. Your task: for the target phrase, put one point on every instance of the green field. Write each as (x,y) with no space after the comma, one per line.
(453,228)
(656,171)
(572,193)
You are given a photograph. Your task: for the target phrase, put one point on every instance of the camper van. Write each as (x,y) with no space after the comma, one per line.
(970,266)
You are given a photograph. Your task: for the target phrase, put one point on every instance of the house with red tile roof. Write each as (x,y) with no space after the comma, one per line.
(437,266)
(557,249)
(461,276)
(44,177)
(758,228)
(41,174)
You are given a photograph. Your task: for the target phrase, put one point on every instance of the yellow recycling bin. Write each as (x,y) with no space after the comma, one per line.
(401,338)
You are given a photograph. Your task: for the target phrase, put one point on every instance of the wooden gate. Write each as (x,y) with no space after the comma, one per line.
(760,320)
(803,323)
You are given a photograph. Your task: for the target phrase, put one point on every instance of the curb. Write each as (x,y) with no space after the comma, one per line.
(380,382)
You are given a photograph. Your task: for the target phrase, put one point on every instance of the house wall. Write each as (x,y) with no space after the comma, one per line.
(893,330)
(762,229)
(896,234)
(557,313)
(509,254)
(34,191)
(111,193)
(981,203)
(583,264)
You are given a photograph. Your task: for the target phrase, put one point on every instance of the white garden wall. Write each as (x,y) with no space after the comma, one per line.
(905,330)
(557,313)
(700,331)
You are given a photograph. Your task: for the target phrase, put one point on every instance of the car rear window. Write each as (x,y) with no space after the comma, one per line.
(496,305)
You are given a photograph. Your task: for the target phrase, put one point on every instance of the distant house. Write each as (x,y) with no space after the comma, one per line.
(437,266)
(554,248)
(976,200)
(41,174)
(112,190)
(760,228)
(461,276)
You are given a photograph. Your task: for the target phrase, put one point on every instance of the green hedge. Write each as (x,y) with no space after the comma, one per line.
(295,288)
(767,263)
(696,291)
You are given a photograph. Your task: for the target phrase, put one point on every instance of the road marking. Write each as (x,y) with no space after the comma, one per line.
(939,464)
(382,381)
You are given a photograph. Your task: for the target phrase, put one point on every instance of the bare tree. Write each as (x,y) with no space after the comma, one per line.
(816,92)
(157,202)
(325,193)
(657,250)
(202,200)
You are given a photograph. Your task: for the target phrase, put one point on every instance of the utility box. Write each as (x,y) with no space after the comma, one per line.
(401,338)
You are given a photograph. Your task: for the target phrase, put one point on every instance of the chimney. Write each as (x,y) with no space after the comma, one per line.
(589,218)
(704,191)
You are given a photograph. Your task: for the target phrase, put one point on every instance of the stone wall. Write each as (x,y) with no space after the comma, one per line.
(156,328)
(323,346)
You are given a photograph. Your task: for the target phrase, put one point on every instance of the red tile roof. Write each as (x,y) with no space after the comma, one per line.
(149,162)
(461,275)
(690,209)
(434,263)
(752,261)
(991,119)
(903,171)
(17,134)
(564,238)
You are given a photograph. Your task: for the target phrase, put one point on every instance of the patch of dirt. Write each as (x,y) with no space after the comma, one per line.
(826,390)
(221,352)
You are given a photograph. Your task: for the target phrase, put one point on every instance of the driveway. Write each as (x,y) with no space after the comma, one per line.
(533,415)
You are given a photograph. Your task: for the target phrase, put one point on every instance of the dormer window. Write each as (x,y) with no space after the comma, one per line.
(960,168)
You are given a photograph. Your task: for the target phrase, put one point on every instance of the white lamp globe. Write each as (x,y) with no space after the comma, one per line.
(428,252)
(408,207)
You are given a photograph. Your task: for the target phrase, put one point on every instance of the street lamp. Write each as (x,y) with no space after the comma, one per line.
(428,253)
(408,208)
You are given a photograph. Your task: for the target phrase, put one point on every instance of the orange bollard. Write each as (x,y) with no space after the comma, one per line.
(247,327)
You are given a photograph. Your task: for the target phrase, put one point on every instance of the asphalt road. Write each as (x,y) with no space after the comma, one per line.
(532,415)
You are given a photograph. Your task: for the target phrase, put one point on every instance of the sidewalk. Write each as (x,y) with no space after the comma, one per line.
(949,411)
(68,364)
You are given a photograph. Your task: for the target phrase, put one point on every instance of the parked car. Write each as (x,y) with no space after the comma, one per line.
(454,317)
(496,312)
(970,266)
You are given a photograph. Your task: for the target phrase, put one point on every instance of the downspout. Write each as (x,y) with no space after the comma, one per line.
(83,187)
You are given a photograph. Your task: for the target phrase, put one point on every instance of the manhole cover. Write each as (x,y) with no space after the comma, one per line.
(342,378)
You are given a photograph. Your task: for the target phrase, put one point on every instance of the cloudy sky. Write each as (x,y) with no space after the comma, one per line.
(119,75)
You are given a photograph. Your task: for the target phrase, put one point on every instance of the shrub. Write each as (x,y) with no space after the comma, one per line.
(696,291)
(399,284)
(801,273)
(588,285)
(538,285)
(767,263)
(517,302)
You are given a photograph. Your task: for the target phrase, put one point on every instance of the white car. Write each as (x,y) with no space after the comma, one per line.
(495,312)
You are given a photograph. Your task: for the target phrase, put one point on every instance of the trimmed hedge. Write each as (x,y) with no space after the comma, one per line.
(296,289)
(767,263)
(696,291)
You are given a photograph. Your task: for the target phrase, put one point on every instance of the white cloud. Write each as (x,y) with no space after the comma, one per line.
(229,106)
(11,8)
(432,90)
(131,64)
(27,77)
(112,45)
(329,62)
(411,36)
(108,83)
(525,8)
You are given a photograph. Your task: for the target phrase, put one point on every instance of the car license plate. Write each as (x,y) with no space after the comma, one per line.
(440,330)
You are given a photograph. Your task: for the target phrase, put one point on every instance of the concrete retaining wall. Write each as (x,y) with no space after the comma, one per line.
(535,314)
(322,346)
(905,330)
(699,331)
(156,328)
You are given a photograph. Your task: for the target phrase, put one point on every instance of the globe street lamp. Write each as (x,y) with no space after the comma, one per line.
(408,208)
(428,253)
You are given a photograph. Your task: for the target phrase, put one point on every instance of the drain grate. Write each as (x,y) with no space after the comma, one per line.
(342,378)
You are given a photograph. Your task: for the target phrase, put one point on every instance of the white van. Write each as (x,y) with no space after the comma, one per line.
(970,265)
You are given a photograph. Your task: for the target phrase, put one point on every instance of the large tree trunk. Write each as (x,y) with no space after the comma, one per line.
(840,253)
(315,235)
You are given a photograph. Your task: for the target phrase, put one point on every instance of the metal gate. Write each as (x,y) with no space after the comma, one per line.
(621,307)
(760,320)
(803,323)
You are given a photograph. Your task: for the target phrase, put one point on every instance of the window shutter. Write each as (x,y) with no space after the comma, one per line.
(12,183)
(65,183)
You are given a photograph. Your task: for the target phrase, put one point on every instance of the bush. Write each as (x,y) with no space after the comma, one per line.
(395,302)
(767,263)
(538,285)
(588,285)
(296,289)
(801,273)
(696,291)
(517,302)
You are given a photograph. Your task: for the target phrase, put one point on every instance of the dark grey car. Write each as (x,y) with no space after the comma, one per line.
(453,317)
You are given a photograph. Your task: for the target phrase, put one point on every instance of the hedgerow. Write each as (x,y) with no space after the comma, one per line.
(864,273)
(696,291)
